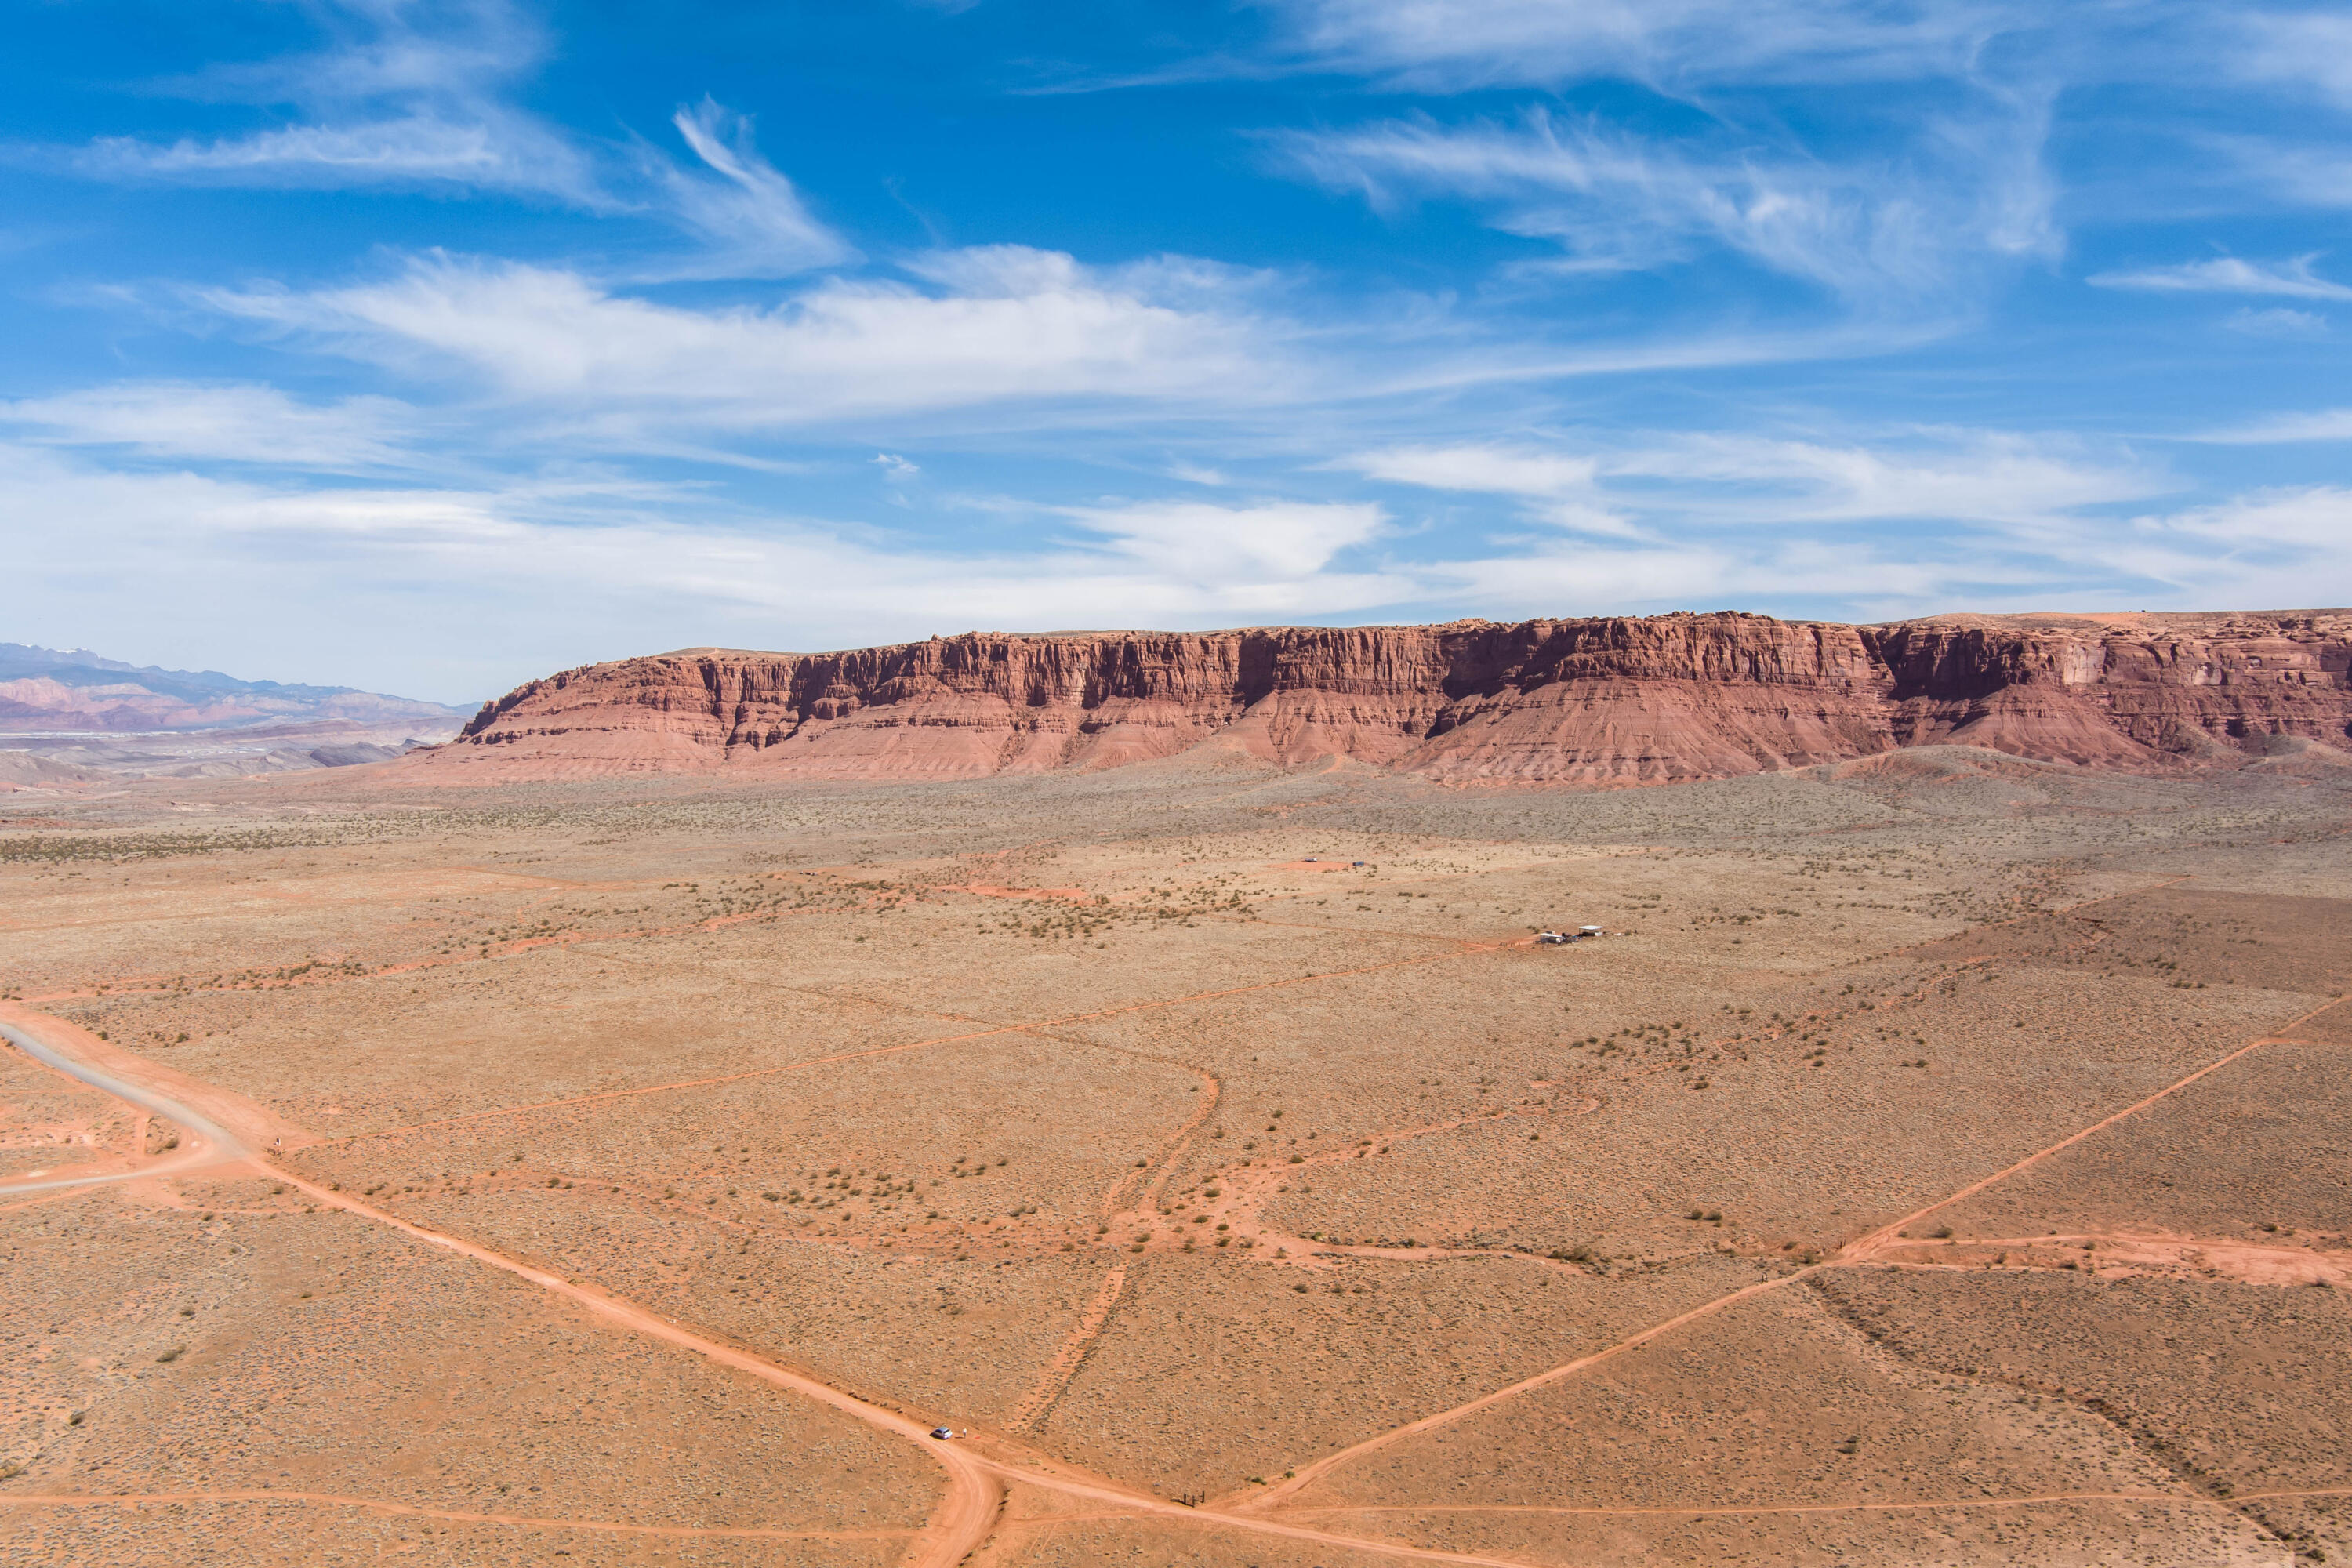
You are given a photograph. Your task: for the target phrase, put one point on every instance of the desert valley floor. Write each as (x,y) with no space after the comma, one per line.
(1942,1159)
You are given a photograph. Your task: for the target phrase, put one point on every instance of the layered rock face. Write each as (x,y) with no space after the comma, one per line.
(1602,700)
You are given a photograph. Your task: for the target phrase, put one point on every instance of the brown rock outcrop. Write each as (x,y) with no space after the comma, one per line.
(1601,701)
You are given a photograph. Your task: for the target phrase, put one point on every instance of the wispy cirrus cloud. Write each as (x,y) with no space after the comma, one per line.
(2324,424)
(1555,487)
(489,151)
(1888,208)
(2277,548)
(2268,522)
(751,217)
(970,328)
(1668,483)
(413,94)
(2312,49)
(1449,45)
(2277,322)
(222,422)
(1488,469)
(2015,482)
(2293,278)
(404,94)
(1275,542)
(1615,201)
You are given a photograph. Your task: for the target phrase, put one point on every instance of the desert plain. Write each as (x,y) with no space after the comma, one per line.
(1940,1158)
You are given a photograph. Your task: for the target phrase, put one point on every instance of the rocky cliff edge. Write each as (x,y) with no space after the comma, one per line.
(1606,700)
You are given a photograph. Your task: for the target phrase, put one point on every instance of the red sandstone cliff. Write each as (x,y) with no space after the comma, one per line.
(1605,701)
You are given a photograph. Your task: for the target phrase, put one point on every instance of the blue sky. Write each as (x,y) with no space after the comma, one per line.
(427,347)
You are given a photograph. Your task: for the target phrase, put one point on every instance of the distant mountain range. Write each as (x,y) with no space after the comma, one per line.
(48,690)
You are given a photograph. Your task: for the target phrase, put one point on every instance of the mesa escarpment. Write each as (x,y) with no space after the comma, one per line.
(1600,700)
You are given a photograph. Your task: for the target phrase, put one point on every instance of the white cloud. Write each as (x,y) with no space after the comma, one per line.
(1615,580)
(1233,548)
(1492,471)
(484,152)
(1655,485)
(1015,324)
(238,422)
(1560,490)
(2317,515)
(2279,322)
(2316,175)
(2313,49)
(2272,549)
(407,95)
(422,96)
(1615,201)
(1985,477)
(753,220)
(2327,425)
(1455,44)
(2291,280)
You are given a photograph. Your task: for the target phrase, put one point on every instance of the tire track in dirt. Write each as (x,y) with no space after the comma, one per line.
(1065,1364)
(1163,1169)
(962,1514)
(2127,1425)
(2172,1499)
(1302,1477)
(456,1516)
(1124,1010)
(2112,1255)
(1248,1188)
(1887,1234)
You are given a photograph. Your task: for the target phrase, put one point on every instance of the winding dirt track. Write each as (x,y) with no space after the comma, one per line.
(2032,1499)
(456,1516)
(127,1077)
(1465,949)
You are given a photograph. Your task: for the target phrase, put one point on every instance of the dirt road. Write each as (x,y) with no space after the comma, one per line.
(205,1141)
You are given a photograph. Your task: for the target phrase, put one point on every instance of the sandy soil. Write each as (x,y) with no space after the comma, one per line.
(1946,1164)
